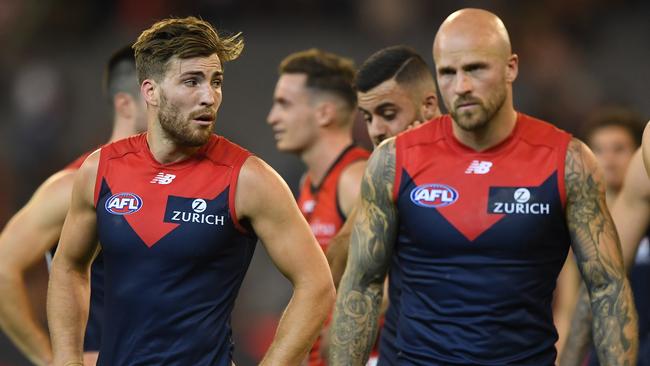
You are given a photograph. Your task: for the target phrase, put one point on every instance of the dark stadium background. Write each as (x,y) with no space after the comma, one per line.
(575,55)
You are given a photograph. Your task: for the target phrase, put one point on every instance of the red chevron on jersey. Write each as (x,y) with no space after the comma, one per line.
(458,181)
(142,196)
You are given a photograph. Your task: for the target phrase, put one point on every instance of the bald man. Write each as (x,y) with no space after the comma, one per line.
(477,210)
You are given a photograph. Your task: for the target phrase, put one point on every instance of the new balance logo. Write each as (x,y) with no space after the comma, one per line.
(162,178)
(479,167)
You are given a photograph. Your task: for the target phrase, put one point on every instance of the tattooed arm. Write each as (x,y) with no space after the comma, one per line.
(598,255)
(354,327)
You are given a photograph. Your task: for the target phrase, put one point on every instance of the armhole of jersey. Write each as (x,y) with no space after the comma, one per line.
(398,169)
(234,177)
(100,175)
(561,168)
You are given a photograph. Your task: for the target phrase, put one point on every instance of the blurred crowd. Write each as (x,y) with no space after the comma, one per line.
(576,56)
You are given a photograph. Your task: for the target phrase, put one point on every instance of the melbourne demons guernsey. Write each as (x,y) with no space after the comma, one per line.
(320,204)
(174,253)
(482,237)
(92,337)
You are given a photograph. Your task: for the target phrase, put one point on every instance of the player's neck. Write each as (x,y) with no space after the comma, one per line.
(122,128)
(496,130)
(320,157)
(164,149)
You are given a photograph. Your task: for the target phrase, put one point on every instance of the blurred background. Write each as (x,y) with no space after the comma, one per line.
(575,56)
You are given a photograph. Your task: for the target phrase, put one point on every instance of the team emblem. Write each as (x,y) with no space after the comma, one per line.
(434,195)
(123,203)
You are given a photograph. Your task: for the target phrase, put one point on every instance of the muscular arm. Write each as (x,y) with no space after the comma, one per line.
(646,148)
(276,220)
(27,237)
(354,326)
(69,288)
(598,256)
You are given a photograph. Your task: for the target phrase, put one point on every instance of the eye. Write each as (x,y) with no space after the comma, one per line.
(389,114)
(367,117)
(190,82)
(217,83)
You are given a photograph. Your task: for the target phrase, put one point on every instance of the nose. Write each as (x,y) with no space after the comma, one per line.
(272,118)
(376,129)
(462,84)
(209,96)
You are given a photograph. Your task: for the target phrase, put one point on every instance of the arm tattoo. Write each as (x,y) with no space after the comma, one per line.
(354,327)
(598,255)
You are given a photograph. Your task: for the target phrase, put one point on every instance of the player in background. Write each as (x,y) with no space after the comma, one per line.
(314,107)
(178,212)
(35,229)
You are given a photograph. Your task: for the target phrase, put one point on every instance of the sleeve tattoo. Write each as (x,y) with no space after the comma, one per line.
(598,255)
(354,326)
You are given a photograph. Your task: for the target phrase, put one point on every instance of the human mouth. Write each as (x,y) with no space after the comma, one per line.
(205,119)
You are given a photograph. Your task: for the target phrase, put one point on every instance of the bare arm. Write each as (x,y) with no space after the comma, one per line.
(275,218)
(598,255)
(567,290)
(27,237)
(354,327)
(646,148)
(69,288)
(349,186)
(337,251)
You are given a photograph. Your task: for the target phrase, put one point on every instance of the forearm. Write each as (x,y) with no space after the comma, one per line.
(67,311)
(615,324)
(18,321)
(354,327)
(579,337)
(300,325)
(337,256)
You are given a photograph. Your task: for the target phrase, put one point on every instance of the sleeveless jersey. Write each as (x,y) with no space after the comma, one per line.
(93,335)
(174,253)
(320,204)
(320,207)
(482,237)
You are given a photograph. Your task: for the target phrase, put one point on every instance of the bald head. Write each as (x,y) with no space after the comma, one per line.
(472,28)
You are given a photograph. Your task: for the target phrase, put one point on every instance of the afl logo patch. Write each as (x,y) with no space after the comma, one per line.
(123,203)
(433,195)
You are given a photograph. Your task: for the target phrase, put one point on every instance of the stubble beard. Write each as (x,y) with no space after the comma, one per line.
(179,128)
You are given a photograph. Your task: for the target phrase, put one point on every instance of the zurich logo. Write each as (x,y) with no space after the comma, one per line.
(199,205)
(434,195)
(123,203)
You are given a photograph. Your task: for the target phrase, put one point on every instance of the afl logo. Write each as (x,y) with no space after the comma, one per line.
(433,195)
(123,203)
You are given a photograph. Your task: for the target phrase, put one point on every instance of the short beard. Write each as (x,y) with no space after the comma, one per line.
(486,113)
(178,128)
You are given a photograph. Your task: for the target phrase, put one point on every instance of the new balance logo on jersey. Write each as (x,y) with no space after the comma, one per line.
(162,178)
(479,167)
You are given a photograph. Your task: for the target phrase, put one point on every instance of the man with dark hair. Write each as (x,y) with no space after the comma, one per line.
(178,211)
(476,209)
(395,90)
(314,107)
(35,229)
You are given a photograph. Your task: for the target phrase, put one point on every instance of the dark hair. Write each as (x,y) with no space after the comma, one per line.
(183,38)
(399,62)
(119,73)
(615,116)
(325,72)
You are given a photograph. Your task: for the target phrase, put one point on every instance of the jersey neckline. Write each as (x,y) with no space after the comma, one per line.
(505,145)
(177,165)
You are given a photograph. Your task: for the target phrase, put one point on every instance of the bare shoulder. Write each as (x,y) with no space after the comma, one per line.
(85,178)
(380,171)
(259,187)
(637,181)
(352,174)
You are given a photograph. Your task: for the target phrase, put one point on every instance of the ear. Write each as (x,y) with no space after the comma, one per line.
(512,68)
(123,105)
(429,107)
(150,91)
(325,113)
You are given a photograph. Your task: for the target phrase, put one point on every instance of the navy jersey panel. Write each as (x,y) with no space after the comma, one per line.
(481,241)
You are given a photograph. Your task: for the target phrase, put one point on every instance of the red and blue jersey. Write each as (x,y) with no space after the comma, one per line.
(482,237)
(174,251)
(93,335)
